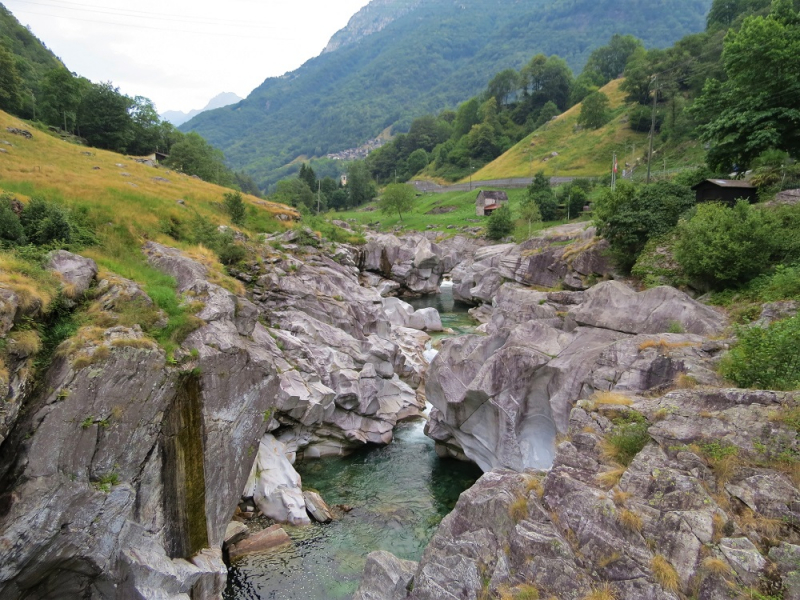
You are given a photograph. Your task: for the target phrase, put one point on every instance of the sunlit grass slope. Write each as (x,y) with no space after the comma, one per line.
(126,204)
(581,153)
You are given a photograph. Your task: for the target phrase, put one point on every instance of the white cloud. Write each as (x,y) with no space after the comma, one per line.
(181,53)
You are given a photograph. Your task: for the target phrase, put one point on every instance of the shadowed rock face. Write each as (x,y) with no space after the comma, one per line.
(121,474)
(670,512)
(501,400)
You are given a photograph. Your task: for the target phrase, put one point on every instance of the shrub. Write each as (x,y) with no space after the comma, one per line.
(627,438)
(230,254)
(234,206)
(640,118)
(721,246)
(45,222)
(665,573)
(11,231)
(630,216)
(766,358)
(500,224)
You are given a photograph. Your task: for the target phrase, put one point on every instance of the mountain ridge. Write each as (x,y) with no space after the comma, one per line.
(430,58)
(178,117)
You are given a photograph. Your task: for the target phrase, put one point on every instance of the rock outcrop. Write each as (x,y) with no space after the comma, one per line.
(568,256)
(705,508)
(501,400)
(120,476)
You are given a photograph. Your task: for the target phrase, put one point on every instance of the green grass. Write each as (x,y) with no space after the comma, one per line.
(589,152)
(419,218)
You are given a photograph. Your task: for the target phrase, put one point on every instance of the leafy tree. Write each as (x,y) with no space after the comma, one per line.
(360,187)
(576,200)
(397,198)
(466,117)
(549,110)
(103,118)
(10,82)
(609,61)
(295,192)
(503,85)
(246,184)
(235,207)
(500,224)
(530,213)
(630,216)
(752,111)
(417,161)
(540,194)
(195,156)
(145,126)
(721,246)
(594,111)
(60,97)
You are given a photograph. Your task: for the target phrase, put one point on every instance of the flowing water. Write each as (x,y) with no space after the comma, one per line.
(399,494)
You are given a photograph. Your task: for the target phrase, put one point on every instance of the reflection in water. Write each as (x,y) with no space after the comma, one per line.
(399,493)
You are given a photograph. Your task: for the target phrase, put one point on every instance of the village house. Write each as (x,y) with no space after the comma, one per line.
(489,201)
(727,191)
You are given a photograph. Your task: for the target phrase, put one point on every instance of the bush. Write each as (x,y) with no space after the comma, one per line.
(45,222)
(547,203)
(630,216)
(500,224)
(766,358)
(721,246)
(234,206)
(628,437)
(641,118)
(11,231)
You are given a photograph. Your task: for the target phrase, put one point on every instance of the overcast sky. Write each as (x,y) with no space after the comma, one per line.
(181,53)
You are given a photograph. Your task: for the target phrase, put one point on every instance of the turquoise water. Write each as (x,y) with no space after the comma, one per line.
(399,494)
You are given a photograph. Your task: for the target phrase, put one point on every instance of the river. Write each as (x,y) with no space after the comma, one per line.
(399,494)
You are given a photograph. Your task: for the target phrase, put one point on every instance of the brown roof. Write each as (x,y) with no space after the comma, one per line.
(727,183)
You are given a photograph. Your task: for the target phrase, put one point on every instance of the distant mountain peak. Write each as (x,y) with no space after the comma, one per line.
(178,117)
(374,17)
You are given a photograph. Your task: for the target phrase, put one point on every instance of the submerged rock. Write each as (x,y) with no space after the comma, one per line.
(263,541)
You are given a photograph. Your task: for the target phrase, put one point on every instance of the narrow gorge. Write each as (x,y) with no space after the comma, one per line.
(128,474)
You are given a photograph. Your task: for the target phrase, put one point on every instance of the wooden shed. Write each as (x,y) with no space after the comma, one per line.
(489,201)
(727,191)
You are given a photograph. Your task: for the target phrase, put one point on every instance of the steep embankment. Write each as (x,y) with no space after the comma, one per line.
(432,57)
(562,148)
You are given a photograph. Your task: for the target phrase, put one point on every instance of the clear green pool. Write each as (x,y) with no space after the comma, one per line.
(399,494)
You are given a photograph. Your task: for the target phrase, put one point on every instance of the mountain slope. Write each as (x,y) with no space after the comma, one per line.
(33,58)
(434,56)
(178,117)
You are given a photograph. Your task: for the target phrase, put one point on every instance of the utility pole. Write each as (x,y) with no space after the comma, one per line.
(652,126)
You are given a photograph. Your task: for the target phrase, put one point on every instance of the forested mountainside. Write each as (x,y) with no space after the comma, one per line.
(435,56)
(31,57)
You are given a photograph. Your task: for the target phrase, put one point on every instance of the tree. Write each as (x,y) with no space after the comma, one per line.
(500,223)
(308,175)
(721,246)
(417,161)
(60,98)
(397,197)
(530,213)
(235,207)
(295,192)
(11,231)
(752,111)
(594,111)
(503,85)
(193,155)
(360,187)
(145,122)
(629,216)
(10,82)
(609,61)
(541,195)
(103,118)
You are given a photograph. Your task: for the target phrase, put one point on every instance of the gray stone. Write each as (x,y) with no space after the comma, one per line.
(76,272)
(263,541)
(386,577)
(317,507)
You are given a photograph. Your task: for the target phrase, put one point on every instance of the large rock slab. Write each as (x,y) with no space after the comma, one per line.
(386,577)
(76,272)
(613,305)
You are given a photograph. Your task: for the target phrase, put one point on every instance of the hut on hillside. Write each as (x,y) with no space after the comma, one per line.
(727,191)
(489,201)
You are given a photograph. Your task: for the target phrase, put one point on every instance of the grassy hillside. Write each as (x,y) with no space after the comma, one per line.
(461,206)
(586,152)
(435,56)
(123,204)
